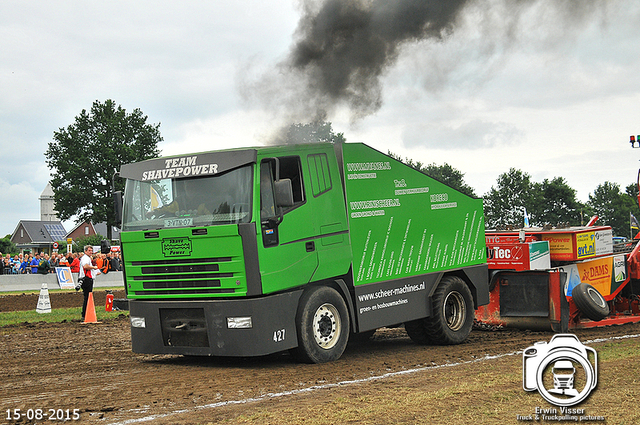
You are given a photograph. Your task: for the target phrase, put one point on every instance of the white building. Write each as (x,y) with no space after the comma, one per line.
(47,212)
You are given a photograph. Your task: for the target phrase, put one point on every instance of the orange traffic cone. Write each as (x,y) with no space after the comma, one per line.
(90,314)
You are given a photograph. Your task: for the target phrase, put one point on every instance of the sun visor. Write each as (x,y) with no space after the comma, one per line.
(186,166)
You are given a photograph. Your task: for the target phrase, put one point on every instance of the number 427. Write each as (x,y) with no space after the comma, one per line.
(278,336)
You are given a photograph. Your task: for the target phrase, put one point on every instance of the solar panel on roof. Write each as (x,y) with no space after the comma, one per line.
(56,231)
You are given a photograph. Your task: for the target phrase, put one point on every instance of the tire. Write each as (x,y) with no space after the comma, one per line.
(452,315)
(416,329)
(590,302)
(322,323)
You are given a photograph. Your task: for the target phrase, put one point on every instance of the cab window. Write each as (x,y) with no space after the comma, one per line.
(280,169)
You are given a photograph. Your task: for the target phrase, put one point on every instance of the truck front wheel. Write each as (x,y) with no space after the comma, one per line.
(452,315)
(322,323)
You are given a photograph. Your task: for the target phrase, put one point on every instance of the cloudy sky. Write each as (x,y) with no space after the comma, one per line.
(548,87)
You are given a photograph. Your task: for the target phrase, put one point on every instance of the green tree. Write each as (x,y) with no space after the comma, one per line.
(443,173)
(632,191)
(79,244)
(62,247)
(450,176)
(505,203)
(84,156)
(612,206)
(8,247)
(315,132)
(558,203)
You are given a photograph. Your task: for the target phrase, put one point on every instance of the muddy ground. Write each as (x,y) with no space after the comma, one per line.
(90,367)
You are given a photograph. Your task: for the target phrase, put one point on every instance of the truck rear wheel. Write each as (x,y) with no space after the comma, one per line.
(322,323)
(590,302)
(452,315)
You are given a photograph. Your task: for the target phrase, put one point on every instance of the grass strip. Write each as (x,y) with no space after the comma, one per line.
(58,290)
(57,315)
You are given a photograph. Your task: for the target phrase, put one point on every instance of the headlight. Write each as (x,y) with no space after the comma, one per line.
(138,322)
(239,322)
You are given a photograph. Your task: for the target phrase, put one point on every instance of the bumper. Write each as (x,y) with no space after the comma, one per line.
(201,328)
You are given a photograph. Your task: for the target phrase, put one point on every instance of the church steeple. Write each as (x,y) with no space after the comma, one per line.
(47,212)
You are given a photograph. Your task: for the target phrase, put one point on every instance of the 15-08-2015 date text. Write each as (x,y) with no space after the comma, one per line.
(43,414)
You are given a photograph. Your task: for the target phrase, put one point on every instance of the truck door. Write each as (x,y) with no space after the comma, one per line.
(287,249)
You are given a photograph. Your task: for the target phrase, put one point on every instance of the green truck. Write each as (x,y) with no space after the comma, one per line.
(247,252)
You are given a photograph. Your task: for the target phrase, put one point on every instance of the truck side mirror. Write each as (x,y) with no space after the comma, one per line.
(284,193)
(117,205)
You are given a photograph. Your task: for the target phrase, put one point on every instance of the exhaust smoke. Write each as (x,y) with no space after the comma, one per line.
(342,49)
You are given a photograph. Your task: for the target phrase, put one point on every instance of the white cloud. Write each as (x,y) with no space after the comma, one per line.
(19,202)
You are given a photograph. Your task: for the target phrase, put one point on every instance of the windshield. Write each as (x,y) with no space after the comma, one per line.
(219,199)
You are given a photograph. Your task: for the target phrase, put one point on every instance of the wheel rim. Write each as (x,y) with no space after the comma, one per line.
(326,326)
(455,310)
(596,297)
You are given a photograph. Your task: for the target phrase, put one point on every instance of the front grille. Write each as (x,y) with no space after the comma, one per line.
(187,268)
(184,276)
(181,261)
(182,284)
(187,292)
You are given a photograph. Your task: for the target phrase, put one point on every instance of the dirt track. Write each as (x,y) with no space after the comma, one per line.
(92,368)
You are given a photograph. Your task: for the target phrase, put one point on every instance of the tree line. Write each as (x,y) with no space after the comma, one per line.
(553,202)
(84,156)
(550,202)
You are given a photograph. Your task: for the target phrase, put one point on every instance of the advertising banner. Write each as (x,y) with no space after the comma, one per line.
(65,278)
(561,246)
(519,256)
(404,223)
(605,274)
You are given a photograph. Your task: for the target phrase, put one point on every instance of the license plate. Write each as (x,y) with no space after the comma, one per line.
(179,222)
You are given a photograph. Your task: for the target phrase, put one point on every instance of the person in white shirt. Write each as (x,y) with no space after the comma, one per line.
(86,276)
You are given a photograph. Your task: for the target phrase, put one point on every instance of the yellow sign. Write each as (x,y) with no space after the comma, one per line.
(597,273)
(585,245)
(560,246)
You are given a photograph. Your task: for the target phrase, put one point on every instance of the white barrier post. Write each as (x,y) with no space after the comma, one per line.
(44,304)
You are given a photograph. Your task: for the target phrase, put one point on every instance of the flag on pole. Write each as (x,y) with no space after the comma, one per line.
(526,218)
(634,222)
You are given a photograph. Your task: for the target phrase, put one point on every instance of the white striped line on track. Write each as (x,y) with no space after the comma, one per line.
(341,384)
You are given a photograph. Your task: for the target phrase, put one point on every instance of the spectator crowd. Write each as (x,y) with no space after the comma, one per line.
(43,263)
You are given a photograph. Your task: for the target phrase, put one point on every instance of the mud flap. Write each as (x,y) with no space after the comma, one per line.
(559,311)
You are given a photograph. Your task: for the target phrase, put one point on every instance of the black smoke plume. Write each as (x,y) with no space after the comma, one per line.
(343,48)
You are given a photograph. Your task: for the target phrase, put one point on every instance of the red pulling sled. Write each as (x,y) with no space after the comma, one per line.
(561,279)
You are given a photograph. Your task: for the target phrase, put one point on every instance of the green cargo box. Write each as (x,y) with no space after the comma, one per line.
(404,223)
(405,228)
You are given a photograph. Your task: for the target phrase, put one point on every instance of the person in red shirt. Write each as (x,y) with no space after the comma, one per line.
(74,263)
(86,276)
